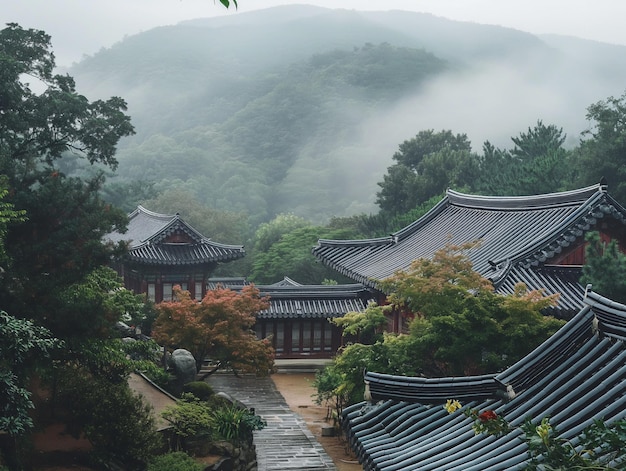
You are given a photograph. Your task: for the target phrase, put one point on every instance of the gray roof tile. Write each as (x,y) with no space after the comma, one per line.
(292,300)
(517,234)
(574,377)
(148,231)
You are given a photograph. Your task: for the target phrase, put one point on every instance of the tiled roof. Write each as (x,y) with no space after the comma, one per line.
(518,235)
(148,231)
(576,376)
(313,301)
(292,300)
(227,283)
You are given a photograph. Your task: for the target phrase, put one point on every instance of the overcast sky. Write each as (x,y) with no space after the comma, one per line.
(80,27)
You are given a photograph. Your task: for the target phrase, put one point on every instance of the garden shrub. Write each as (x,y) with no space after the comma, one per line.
(175,461)
(200,389)
(235,424)
(117,422)
(190,418)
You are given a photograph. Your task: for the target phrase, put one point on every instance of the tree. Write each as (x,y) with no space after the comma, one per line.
(218,328)
(461,325)
(271,232)
(602,152)
(8,215)
(425,166)
(365,326)
(39,128)
(60,239)
(90,308)
(291,256)
(117,422)
(605,268)
(539,141)
(23,346)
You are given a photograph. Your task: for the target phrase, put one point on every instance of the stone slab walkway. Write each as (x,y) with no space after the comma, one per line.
(286,443)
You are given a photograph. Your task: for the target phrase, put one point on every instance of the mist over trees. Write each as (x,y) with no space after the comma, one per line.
(247,122)
(355,127)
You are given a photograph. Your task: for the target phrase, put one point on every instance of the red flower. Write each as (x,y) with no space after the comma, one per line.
(487,415)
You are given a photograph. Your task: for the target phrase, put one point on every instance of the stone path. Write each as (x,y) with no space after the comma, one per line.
(286,443)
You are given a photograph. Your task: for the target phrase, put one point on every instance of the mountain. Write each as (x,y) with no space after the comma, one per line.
(300,109)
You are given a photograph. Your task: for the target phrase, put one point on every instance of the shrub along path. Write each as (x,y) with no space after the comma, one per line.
(286,443)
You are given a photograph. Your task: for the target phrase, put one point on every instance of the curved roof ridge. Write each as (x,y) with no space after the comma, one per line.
(597,301)
(340,289)
(425,219)
(291,282)
(154,214)
(525,202)
(373,241)
(395,236)
(569,230)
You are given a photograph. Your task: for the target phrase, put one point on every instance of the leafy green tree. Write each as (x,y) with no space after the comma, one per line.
(341,382)
(37,128)
(497,176)
(59,242)
(23,346)
(541,164)
(189,418)
(425,166)
(128,195)
(605,267)
(116,421)
(269,233)
(291,256)
(461,324)
(366,326)
(90,308)
(227,227)
(8,215)
(539,141)
(602,152)
(537,164)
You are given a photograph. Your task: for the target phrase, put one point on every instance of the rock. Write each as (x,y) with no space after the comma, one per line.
(225,464)
(184,365)
(222,448)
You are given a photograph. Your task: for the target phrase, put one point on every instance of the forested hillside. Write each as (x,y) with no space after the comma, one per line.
(299,109)
(302,110)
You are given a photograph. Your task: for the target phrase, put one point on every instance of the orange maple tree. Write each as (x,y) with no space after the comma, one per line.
(218,328)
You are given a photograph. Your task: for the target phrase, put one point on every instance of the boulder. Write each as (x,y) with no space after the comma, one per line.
(184,365)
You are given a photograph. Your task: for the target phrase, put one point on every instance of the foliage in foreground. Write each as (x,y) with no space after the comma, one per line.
(236,424)
(116,422)
(460,326)
(175,461)
(22,345)
(194,419)
(600,446)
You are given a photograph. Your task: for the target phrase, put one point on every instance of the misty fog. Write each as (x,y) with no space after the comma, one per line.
(229,115)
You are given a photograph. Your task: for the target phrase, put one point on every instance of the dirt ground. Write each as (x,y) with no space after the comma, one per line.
(298,391)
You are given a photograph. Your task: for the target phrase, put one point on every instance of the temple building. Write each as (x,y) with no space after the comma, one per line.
(297,319)
(164,251)
(538,240)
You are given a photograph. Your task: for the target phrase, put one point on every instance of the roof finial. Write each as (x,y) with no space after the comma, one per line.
(604,183)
